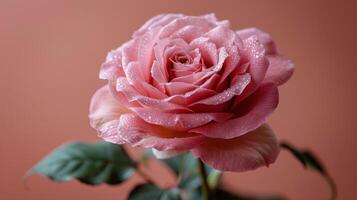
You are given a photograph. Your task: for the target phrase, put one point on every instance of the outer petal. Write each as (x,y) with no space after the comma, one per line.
(180,122)
(263,38)
(103,113)
(258,65)
(159,20)
(255,53)
(112,67)
(280,69)
(138,133)
(188,33)
(250,151)
(181,22)
(146,52)
(251,113)
(221,36)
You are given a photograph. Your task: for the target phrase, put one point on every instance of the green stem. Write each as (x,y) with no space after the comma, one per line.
(205,187)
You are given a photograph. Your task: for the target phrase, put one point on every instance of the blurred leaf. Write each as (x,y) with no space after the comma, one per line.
(184,166)
(213,178)
(308,160)
(195,194)
(185,169)
(89,163)
(178,162)
(220,194)
(152,192)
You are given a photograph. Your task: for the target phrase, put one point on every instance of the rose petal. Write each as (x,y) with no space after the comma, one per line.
(146,52)
(200,92)
(236,89)
(132,95)
(129,52)
(112,67)
(104,107)
(200,77)
(166,47)
(191,78)
(230,65)
(188,33)
(178,23)
(221,36)
(135,77)
(253,56)
(159,76)
(159,20)
(181,122)
(138,133)
(175,88)
(250,151)
(255,53)
(190,97)
(253,112)
(164,144)
(194,65)
(263,37)
(104,110)
(280,69)
(161,52)
(211,17)
(109,132)
(208,50)
(222,56)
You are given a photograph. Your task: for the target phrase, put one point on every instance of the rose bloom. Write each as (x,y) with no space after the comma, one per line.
(190,83)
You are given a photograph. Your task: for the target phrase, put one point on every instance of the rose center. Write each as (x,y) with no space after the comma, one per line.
(181,58)
(183,64)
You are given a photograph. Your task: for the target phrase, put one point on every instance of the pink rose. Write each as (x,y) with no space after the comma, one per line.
(187,83)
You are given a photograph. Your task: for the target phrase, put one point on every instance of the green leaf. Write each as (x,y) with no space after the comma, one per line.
(185,169)
(89,163)
(152,192)
(220,194)
(310,161)
(184,166)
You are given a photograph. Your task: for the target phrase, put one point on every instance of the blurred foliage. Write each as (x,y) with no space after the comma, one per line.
(92,164)
(104,162)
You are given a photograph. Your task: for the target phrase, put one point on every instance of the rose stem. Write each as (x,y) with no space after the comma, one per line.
(203,175)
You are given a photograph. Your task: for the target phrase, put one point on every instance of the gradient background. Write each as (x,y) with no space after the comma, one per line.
(50,53)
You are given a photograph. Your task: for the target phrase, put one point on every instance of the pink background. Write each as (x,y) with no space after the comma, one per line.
(50,53)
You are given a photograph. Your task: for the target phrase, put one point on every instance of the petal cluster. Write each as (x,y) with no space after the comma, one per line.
(191,83)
